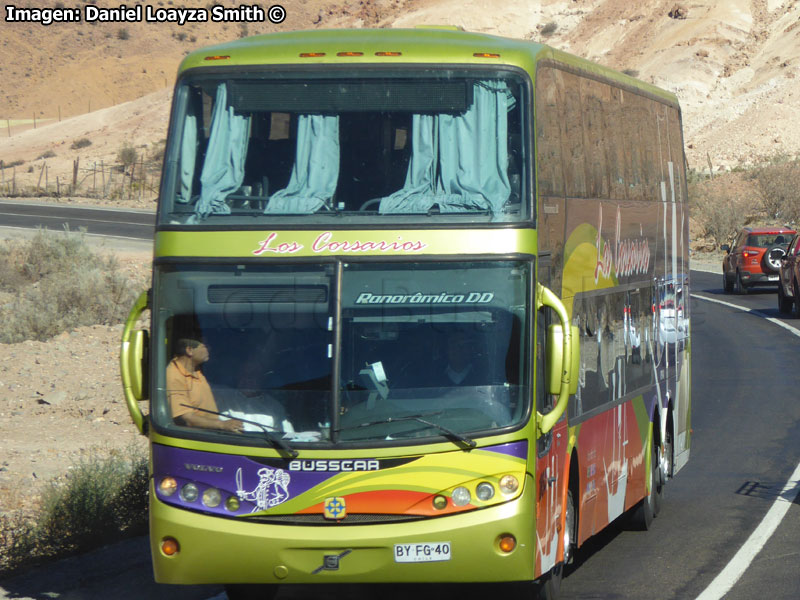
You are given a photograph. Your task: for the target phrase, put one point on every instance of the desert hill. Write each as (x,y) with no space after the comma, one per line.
(733,63)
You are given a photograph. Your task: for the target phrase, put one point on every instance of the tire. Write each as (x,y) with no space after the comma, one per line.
(727,284)
(796,291)
(650,505)
(773,264)
(784,302)
(245,591)
(550,587)
(739,286)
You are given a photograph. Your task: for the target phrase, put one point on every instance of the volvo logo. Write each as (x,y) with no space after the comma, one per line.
(330,562)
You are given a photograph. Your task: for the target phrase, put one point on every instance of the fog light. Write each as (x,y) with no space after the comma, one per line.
(212,497)
(169,546)
(461,496)
(439,502)
(484,491)
(189,492)
(507,543)
(168,486)
(508,484)
(232,504)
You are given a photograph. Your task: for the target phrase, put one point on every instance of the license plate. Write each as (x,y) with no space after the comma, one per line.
(427,552)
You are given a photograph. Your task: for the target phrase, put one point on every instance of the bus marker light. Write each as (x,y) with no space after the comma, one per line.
(508,484)
(232,504)
(439,502)
(388,54)
(485,55)
(311,54)
(349,54)
(168,486)
(170,546)
(507,543)
(189,492)
(484,491)
(461,496)
(217,57)
(212,497)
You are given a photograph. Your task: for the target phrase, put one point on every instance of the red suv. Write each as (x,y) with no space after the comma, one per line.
(754,258)
(789,274)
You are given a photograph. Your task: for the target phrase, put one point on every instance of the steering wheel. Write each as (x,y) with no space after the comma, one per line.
(368,204)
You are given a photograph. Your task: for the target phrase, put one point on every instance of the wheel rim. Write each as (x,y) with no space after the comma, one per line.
(570,518)
(665,461)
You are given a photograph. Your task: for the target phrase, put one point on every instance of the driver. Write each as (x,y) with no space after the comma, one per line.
(188,392)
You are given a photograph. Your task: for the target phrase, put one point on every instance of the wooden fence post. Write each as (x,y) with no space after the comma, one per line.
(130,186)
(39,183)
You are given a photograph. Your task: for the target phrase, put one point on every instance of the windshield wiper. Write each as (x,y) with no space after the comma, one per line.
(470,443)
(268,435)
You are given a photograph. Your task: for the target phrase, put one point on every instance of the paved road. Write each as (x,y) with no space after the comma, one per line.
(96,221)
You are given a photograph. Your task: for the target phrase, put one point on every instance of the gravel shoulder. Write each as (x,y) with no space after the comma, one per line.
(61,401)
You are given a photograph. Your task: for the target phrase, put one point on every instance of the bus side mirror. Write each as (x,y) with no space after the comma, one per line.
(137,363)
(133,362)
(562,359)
(554,359)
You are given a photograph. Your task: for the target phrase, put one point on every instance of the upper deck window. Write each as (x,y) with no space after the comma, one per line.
(424,147)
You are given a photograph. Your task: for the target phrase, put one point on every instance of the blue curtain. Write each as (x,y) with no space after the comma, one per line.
(315,172)
(459,162)
(188,158)
(223,168)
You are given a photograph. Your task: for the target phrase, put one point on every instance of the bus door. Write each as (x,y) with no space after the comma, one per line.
(551,448)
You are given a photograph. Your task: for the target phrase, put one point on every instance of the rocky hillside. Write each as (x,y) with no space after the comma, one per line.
(733,63)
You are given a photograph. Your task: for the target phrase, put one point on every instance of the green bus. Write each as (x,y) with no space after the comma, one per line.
(418,311)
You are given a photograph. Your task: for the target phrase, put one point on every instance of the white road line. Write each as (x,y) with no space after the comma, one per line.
(738,565)
(76,218)
(101,235)
(758,313)
(728,577)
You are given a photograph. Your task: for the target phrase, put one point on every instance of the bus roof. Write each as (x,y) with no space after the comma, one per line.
(422,45)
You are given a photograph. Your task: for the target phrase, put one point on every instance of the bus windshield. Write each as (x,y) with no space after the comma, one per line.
(339,147)
(395,353)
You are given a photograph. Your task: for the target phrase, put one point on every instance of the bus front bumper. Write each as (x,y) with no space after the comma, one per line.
(219,550)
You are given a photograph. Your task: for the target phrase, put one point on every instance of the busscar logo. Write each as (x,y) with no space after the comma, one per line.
(335,466)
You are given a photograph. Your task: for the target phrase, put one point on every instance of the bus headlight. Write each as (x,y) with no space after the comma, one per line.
(508,484)
(232,504)
(168,486)
(212,497)
(484,491)
(189,492)
(461,496)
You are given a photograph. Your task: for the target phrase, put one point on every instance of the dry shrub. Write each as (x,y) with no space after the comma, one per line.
(776,180)
(721,206)
(57,284)
(102,499)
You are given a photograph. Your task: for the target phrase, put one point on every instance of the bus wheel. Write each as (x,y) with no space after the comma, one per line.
(244,591)
(664,471)
(550,587)
(648,507)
